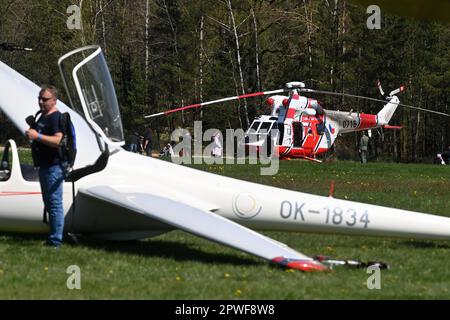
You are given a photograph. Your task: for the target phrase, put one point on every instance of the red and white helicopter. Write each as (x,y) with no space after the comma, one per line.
(304,128)
(119,195)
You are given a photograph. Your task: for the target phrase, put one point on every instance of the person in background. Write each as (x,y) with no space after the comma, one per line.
(135,143)
(217,145)
(187,151)
(167,151)
(148,142)
(445,156)
(363,145)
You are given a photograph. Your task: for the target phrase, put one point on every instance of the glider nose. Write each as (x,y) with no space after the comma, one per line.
(302,265)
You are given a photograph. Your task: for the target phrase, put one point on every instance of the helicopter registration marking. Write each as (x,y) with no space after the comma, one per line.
(349,124)
(333,215)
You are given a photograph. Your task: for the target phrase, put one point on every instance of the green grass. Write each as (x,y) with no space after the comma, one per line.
(180,266)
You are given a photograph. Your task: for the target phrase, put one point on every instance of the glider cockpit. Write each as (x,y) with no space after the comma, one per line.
(10,161)
(91,92)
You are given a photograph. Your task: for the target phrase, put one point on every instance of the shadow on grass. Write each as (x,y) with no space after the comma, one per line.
(425,244)
(169,249)
(154,248)
(24,239)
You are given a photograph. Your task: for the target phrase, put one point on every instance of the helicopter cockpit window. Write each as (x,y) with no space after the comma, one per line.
(265,127)
(255,126)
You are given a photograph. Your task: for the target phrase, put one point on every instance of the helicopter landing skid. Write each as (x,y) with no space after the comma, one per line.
(312,159)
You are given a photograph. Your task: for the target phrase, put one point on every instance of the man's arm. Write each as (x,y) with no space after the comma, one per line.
(51,141)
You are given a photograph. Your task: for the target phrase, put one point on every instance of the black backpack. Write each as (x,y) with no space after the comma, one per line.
(68,145)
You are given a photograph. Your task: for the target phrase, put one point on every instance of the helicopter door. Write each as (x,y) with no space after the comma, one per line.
(271,142)
(298,133)
(280,133)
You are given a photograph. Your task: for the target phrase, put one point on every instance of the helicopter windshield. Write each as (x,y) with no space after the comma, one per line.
(91,91)
(265,126)
(260,127)
(255,125)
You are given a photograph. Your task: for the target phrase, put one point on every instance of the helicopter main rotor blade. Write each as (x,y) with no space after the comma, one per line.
(372,99)
(197,105)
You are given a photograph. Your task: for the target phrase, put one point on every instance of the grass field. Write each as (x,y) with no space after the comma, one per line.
(179,266)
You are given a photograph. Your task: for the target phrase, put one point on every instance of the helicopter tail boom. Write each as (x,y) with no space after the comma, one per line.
(385,114)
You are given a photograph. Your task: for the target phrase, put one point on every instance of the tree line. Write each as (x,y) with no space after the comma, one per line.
(163,54)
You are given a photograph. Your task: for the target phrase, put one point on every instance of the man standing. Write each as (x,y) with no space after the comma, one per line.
(446,156)
(148,142)
(46,137)
(217,145)
(363,144)
(135,143)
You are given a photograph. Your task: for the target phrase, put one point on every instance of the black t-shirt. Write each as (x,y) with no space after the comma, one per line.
(135,139)
(148,137)
(48,125)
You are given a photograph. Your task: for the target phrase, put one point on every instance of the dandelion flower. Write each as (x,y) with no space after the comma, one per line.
(289,270)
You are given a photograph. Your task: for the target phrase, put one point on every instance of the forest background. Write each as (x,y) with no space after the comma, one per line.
(163,54)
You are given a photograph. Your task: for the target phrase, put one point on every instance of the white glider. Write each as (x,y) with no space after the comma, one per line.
(129,196)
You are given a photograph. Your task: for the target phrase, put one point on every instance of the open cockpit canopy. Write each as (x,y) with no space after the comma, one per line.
(91,92)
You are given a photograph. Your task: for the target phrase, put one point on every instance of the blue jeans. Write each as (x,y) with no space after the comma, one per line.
(51,179)
(134,147)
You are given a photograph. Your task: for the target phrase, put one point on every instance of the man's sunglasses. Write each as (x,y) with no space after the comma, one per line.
(44,98)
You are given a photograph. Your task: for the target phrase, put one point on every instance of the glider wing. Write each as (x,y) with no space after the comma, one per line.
(206,225)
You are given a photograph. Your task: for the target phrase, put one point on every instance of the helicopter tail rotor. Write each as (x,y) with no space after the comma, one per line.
(396,91)
(385,114)
(392,93)
(380,88)
(389,98)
